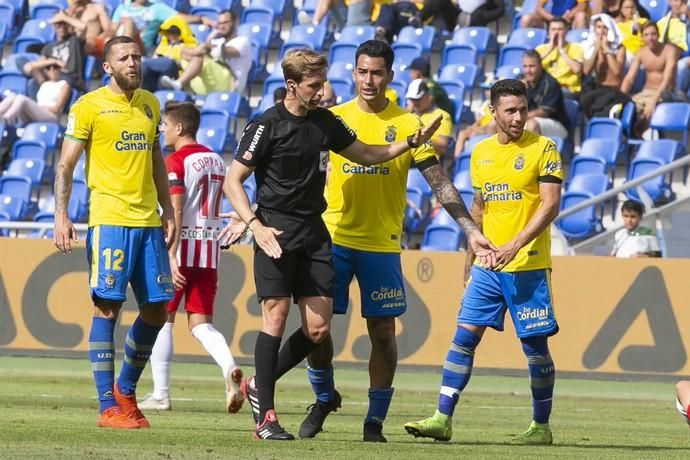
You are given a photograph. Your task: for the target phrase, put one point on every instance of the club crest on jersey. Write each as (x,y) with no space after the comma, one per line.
(390,134)
(148,111)
(109,281)
(519,162)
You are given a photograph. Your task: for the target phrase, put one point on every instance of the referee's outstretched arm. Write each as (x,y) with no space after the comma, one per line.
(366,154)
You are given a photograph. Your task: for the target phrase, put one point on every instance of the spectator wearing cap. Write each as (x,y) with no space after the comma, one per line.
(222,63)
(420,68)
(166,59)
(423,105)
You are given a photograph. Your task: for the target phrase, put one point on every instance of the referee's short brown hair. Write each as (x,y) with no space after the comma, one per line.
(303,62)
(186,114)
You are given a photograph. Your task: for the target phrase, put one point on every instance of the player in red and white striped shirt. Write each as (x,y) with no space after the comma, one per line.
(196,176)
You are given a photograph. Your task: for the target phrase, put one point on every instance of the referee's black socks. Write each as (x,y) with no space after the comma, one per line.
(265,359)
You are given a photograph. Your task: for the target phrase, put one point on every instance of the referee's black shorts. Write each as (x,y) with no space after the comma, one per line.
(305,268)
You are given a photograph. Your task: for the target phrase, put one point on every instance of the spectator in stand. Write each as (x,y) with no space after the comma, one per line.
(659,63)
(463,13)
(613,8)
(603,68)
(67,51)
(142,19)
(635,240)
(562,60)
(629,23)
(396,15)
(423,105)
(573,11)
(166,60)
(222,63)
(673,29)
(51,99)
(421,68)
(546,110)
(484,123)
(91,22)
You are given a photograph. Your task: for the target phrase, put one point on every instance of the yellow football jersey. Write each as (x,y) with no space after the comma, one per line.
(366,203)
(508,177)
(118,135)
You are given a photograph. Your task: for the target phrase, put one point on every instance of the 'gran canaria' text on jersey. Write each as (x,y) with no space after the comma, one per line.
(130,141)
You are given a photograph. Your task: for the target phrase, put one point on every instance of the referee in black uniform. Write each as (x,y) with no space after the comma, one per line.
(287,149)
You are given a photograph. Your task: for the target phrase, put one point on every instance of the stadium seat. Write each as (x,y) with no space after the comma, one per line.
(304,36)
(594,184)
(528,6)
(462,180)
(356,34)
(78,207)
(405,53)
(31,168)
(511,55)
(658,188)
(46,9)
(416,211)
(4,217)
(24,149)
(508,71)
(293,46)
(462,163)
(587,165)
(456,93)
(210,8)
(232,103)
(479,37)
(443,234)
(214,129)
(46,132)
(265,104)
(576,35)
(465,73)
(342,52)
(11,207)
(527,37)
(627,118)
(400,88)
(666,150)
(340,70)
(415,179)
(257,32)
(12,81)
(671,117)
(263,15)
(34,31)
(422,36)
(456,53)
(606,148)
(202,31)
(165,95)
(45,218)
(607,128)
(14,60)
(582,224)
(79,172)
(7,17)
(19,187)
(343,89)
(274,80)
(656,8)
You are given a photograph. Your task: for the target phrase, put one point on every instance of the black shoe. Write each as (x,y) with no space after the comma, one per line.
(251,394)
(270,429)
(373,432)
(318,412)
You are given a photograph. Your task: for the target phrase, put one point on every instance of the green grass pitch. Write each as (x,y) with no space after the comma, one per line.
(48,410)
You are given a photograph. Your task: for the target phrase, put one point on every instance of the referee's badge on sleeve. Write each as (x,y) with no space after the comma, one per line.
(323,160)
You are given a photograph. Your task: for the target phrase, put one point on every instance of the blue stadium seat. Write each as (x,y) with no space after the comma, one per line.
(78,207)
(274,80)
(342,52)
(671,117)
(607,128)
(340,70)
(602,147)
(343,89)
(666,150)
(479,37)
(415,179)
(400,88)
(627,117)
(658,188)
(422,36)
(301,36)
(263,15)
(79,172)
(508,71)
(402,73)
(201,32)
(462,163)
(586,165)
(405,53)
(34,31)
(232,103)
(456,53)
(13,81)
(582,224)
(11,208)
(528,7)
(443,234)
(46,218)
(257,32)
(456,93)
(214,129)
(576,35)
(511,55)
(14,60)
(466,73)
(34,150)
(265,104)
(594,184)
(356,34)
(293,46)
(7,17)
(165,95)
(46,9)
(19,187)
(46,132)
(467,195)
(416,211)
(462,180)
(31,168)
(527,37)
(207,7)
(656,8)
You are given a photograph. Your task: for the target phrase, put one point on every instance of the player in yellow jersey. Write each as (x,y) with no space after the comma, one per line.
(117,127)
(364,217)
(516,175)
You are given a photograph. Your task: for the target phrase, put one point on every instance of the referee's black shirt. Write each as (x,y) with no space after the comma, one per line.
(290,157)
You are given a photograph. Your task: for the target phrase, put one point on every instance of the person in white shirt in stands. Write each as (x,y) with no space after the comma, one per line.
(222,63)
(635,240)
(51,98)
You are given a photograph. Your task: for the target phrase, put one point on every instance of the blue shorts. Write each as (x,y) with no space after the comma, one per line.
(379,275)
(526,295)
(121,255)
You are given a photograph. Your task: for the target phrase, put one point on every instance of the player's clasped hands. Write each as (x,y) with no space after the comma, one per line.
(505,253)
(483,249)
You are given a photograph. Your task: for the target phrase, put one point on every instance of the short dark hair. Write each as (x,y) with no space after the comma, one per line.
(633,206)
(117,40)
(558,19)
(279,93)
(507,87)
(532,54)
(232,14)
(186,114)
(376,48)
(649,24)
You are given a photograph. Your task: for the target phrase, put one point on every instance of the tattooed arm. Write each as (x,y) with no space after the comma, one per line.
(448,196)
(477,213)
(64,232)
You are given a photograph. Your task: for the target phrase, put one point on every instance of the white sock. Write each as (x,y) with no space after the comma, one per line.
(216,346)
(161,360)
